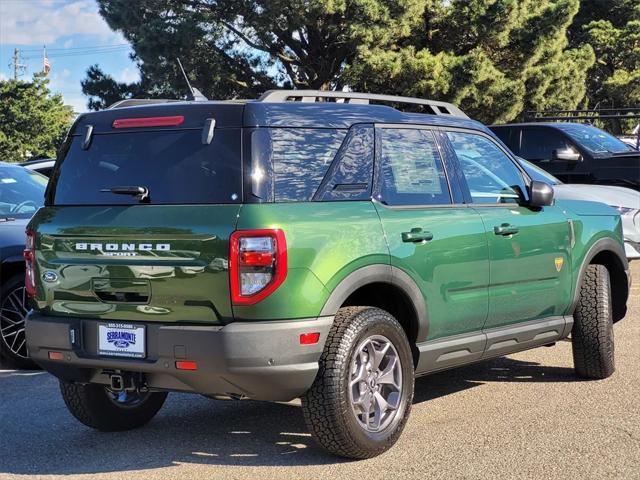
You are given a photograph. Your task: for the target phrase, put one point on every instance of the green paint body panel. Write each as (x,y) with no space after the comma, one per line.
(451,270)
(526,282)
(188,283)
(469,277)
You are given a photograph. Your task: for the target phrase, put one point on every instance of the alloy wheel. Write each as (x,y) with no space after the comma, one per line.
(13,312)
(375,383)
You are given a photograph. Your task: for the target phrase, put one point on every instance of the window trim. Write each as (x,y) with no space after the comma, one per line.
(377,165)
(463,180)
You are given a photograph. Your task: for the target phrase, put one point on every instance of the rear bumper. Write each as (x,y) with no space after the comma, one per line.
(259,360)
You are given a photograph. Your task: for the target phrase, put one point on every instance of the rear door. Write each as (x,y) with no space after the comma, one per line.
(160,257)
(528,248)
(439,243)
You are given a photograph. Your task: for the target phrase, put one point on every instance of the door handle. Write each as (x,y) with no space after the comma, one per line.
(505,229)
(416,235)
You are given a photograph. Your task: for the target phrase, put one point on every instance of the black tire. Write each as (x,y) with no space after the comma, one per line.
(592,335)
(327,407)
(91,405)
(12,315)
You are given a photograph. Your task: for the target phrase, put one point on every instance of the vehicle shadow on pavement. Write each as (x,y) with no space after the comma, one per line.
(196,430)
(503,369)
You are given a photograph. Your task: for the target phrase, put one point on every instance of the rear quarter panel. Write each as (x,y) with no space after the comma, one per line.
(326,241)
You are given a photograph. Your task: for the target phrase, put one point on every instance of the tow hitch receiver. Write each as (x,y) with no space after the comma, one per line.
(129,381)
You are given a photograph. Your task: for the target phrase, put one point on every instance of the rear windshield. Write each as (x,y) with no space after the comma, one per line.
(175,166)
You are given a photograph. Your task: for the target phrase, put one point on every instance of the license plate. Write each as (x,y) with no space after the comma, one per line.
(121,340)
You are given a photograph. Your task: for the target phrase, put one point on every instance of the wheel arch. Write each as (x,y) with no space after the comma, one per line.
(386,287)
(609,253)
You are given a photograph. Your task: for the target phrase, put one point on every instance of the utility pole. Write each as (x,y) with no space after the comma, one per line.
(18,68)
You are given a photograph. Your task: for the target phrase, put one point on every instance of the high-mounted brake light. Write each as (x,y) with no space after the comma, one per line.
(148,122)
(29,255)
(257,264)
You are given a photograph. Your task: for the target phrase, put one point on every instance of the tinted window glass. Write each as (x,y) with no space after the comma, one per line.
(411,170)
(350,174)
(301,157)
(539,143)
(174,165)
(491,176)
(21,192)
(508,135)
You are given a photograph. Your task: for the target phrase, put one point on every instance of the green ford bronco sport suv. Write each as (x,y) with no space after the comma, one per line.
(322,245)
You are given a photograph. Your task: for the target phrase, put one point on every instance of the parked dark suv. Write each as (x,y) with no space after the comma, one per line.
(573,152)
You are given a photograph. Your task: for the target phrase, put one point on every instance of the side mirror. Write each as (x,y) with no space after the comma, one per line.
(566,155)
(540,194)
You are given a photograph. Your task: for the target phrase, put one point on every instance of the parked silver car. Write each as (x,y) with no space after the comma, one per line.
(624,200)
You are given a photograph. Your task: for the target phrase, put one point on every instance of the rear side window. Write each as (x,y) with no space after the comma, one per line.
(175,166)
(411,169)
(297,159)
(350,175)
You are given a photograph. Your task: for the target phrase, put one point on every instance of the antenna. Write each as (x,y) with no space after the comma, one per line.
(196,95)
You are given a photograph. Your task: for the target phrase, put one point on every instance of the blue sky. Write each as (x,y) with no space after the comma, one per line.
(76,37)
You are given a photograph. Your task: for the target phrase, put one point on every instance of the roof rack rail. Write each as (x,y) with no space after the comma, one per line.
(435,107)
(133,102)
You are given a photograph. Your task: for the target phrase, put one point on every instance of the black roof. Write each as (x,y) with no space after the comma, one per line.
(256,113)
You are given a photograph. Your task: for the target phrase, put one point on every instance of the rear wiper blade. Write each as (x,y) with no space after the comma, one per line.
(142,193)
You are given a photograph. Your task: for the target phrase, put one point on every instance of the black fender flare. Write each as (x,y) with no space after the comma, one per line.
(381,273)
(601,245)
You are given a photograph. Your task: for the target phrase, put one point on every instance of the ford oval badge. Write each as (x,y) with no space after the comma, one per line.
(49,276)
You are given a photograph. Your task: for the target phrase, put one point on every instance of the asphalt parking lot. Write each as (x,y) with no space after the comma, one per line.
(523,416)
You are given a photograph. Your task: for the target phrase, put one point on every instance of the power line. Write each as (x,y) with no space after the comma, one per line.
(81,53)
(76,48)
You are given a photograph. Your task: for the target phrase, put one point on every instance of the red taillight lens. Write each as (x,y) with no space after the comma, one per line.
(29,255)
(257,264)
(148,122)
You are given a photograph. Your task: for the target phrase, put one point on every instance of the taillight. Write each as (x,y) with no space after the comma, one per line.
(29,255)
(257,264)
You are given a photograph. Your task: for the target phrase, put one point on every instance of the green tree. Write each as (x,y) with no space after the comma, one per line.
(33,122)
(494,58)
(239,48)
(612,29)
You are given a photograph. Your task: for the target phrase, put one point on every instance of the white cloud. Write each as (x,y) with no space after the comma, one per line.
(31,22)
(128,75)
(3,77)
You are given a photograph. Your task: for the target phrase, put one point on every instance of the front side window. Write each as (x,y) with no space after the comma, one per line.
(411,170)
(540,143)
(491,176)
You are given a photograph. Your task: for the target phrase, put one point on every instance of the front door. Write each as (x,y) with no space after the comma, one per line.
(530,274)
(439,244)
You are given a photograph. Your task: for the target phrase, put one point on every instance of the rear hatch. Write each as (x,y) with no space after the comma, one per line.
(103,251)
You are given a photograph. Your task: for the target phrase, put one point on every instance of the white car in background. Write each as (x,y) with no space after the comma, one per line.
(624,200)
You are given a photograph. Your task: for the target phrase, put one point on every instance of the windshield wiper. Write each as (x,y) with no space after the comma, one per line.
(7,219)
(141,193)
